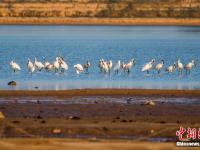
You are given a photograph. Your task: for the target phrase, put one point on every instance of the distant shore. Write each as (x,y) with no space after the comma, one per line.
(100,21)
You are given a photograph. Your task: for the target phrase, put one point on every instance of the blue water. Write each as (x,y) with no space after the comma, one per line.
(79,43)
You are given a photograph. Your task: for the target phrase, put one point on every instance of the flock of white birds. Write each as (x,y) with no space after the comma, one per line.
(59,65)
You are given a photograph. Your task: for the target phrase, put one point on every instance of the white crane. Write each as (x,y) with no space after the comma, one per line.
(101,65)
(63,64)
(86,66)
(117,67)
(171,68)
(129,65)
(105,68)
(38,65)
(179,66)
(14,66)
(49,67)
(123,65)
(56,64)
(30,66)
(148,66)
(109,64)
(78,68)
(46,63)
(189,66)
(159,66)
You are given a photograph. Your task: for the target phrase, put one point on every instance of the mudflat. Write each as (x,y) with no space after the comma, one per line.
(100,113)
(98,118)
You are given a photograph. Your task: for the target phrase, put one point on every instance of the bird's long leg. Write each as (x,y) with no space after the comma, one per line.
(116,71)
(128,71)
(189,71)
(100,70)
(86,70)
(147,71)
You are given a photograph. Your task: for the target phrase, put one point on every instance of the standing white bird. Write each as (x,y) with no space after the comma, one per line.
(86,66)
(15,67)
(189,66)
(78,68)
(117,67)
(148,66)
(30,66)
(129,65)
(46,63)
(63,65)
(109,64)
(38,65)
(101,65)
(159,66)
(123,65)
(105,68)
(179,66)
(49,67)
(171,68)
(56,64)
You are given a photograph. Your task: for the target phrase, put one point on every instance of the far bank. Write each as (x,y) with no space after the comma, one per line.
(100,21)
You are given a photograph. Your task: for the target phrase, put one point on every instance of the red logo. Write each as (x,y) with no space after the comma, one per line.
(189,133)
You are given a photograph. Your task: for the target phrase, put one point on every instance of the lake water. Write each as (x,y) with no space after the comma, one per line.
(79,43)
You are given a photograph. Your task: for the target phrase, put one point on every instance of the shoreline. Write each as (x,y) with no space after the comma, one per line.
(100,21)
(101,92)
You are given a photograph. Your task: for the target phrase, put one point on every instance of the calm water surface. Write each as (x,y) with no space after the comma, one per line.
(79,43)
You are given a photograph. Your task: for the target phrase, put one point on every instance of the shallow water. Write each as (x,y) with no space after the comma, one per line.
(84,100)
(79,43)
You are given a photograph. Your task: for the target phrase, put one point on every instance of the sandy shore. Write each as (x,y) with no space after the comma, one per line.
(101,21)
(71,144)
